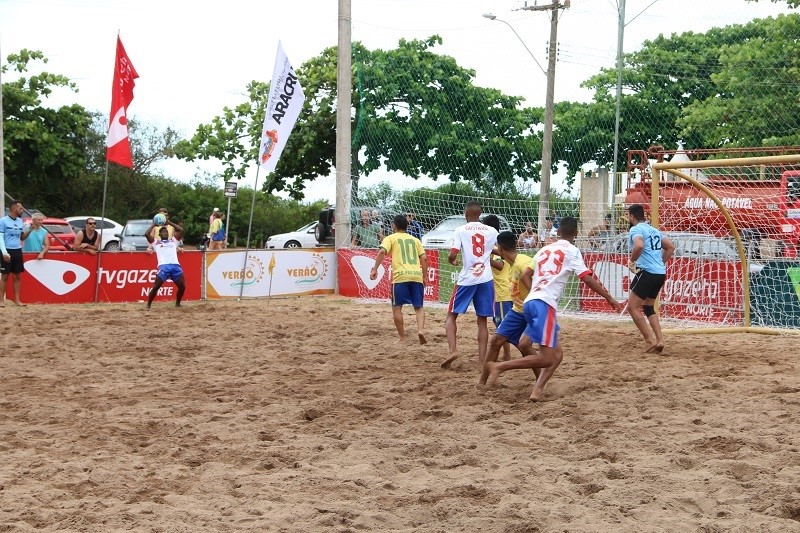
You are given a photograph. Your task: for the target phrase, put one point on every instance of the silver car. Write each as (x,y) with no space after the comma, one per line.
(441,235)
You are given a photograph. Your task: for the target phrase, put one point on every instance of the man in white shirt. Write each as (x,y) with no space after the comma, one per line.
(552,267)
(166,249)
(475,283)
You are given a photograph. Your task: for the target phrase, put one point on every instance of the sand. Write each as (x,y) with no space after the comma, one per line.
(304,415)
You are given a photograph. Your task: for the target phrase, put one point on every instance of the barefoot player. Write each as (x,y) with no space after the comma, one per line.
(166,249)
(552,267)
(409,269)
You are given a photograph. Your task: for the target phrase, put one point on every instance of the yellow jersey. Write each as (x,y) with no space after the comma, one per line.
(502,289)
(405,250)
(518,291)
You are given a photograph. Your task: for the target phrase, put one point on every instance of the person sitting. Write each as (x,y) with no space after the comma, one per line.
(414,227)
(601,233)
(87,240)
(528,239)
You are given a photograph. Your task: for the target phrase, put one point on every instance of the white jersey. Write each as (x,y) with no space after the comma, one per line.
(552,267)
(166,251)
(475,242)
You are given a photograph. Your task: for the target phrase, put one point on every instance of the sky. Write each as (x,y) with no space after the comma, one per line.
(194,58)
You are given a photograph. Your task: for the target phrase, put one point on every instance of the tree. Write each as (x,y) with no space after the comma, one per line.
(417,113)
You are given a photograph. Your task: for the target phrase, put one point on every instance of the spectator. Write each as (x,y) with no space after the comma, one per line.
(88,239)
(211,218)
(414,227)
(34,239)
(528,239)
(548,234)
(367,234)
(11,249)
(216,232)
(601,233)
(157,229)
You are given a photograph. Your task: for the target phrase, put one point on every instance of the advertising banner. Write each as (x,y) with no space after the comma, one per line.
(68,277)
(695,289)
(354,268)
(269,273)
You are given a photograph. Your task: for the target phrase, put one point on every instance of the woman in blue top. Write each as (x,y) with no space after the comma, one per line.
(650,251)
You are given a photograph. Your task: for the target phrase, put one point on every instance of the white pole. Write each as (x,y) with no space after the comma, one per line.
(227,221)
(344,88)
(620,36)
(2,155)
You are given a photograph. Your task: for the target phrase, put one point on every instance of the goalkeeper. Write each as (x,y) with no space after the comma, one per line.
(409,269)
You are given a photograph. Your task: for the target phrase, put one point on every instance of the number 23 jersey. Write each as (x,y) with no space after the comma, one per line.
(552,267)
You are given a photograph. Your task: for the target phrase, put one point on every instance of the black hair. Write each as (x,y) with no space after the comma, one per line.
(506,240)
(400,222)
(637,211)
(492,221)
(568,227)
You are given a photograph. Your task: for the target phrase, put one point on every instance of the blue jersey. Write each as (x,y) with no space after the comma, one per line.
(650,260)
(11,228)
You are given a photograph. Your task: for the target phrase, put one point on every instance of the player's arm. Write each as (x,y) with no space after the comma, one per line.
(373,272)
(527,278)
(3,240)
(423,263)
(496,262)
(149,233)
(175,226)
(589,279)
(636,251)
(667,248)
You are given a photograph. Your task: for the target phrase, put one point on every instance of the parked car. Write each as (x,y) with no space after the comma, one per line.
(325,229)
(60,233)
(109,229)
(697,245)
(441,235)
(132,238)
(301,238)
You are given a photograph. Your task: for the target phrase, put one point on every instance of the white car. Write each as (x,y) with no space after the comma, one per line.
(441,235)
(302,238)
(109,227)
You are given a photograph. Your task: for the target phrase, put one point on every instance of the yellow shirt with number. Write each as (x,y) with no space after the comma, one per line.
(405,251)
(502,289)
(518,291)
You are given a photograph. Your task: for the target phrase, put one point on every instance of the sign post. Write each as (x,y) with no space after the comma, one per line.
(230,192)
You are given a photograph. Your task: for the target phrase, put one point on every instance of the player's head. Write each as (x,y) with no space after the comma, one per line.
(472,211)
(492,221)
(400,222)
(637,212)
(163,232)
(507,241)
(568,228)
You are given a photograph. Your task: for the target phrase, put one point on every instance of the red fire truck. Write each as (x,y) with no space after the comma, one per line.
(766,205)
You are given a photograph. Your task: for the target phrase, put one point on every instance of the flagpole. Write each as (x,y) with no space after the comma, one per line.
(249,228)
(100,248)
(2,155)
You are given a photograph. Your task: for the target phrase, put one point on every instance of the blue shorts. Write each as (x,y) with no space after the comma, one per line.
(408,292)
(172,272)
(512,327)
(481,296)
(501,309)
(542,325)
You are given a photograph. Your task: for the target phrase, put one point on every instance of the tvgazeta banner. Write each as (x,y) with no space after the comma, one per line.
(354,269)
(260,273)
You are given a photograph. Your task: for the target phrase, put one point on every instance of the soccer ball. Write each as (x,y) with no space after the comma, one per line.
(159,219)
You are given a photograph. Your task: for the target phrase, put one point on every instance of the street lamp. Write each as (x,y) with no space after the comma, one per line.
(547,134)
(494,17)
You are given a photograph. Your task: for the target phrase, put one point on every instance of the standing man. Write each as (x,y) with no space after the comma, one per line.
(34,238)
(552,267)
(650,251)
(409,269)
(166,249)
(88,239)
(414,227)
(367,234)
(475,283)
(11,249)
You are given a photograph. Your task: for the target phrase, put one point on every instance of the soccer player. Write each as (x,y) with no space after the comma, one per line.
(409,269)
(475,284)
(552,267)
(650,251)
(502,293)
(166,249)
(513,325)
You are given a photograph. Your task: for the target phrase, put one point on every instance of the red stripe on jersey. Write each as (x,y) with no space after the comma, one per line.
(585,273)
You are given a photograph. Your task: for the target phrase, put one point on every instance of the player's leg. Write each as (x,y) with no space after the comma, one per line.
(417,293)
(451,329)
(497,342)
(483,301)
(420,314)
(180,282)
(151,296)
(397,316)
(648,309)
(17,286)
(636,299)
(3,279)
(556,355)
(17,268)
(459,302)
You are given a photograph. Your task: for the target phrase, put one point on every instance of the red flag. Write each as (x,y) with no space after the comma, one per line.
(118,146)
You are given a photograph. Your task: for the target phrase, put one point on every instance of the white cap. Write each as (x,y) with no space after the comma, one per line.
(216,209)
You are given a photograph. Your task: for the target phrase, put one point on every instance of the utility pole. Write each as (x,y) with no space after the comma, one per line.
(344,91)
(547,135)
(620,36)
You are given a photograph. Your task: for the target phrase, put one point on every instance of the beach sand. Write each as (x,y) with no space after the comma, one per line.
(305,415)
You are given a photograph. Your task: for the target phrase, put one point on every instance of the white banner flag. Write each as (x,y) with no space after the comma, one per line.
(283,107)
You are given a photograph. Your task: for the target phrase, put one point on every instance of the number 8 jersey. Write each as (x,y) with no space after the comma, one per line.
(552,267)
(475,242)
